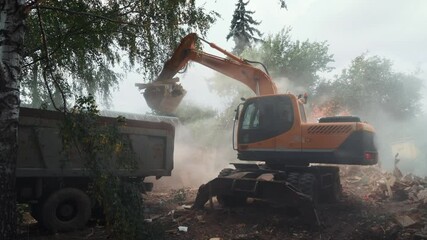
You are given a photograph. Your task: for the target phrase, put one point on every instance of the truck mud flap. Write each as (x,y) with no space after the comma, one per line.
(278,192)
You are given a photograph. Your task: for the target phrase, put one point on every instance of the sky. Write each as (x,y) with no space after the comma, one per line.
(394,29)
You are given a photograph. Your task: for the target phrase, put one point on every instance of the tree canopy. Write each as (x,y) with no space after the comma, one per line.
(369,85)
(300,62)
(79,45)
(242,28)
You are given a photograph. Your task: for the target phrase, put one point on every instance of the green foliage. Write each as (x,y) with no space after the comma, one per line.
(370,84)
(300,62)
(21,210)
(241,29)
(105,150)
(77,45)
(189,113)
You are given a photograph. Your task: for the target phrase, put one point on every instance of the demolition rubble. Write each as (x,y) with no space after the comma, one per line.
(375,205)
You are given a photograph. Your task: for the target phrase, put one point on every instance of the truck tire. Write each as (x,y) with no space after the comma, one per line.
(307,185)
(66,210)
(229,200)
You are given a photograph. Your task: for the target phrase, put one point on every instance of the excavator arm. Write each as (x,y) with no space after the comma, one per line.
(164,93)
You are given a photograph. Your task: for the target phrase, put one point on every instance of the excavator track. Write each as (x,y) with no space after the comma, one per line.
(233,187)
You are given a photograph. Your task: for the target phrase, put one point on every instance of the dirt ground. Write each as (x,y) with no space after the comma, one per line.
(374,205)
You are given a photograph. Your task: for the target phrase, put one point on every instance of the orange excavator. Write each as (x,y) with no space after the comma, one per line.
(271,128)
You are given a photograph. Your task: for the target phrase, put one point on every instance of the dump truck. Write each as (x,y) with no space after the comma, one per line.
(55,183)
(272,130)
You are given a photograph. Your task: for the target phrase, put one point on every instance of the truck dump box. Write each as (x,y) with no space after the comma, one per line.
(41,151)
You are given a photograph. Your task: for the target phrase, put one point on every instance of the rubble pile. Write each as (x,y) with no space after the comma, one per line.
(380,185)
(402,198)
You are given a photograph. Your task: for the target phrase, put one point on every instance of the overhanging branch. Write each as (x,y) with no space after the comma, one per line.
(87,14)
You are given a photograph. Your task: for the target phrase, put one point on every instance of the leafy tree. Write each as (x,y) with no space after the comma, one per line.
(301,63)
(371,89)
(81,41)
(370,85)
(241,29)
(78,45)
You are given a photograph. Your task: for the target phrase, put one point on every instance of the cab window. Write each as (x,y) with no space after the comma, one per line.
(265,117)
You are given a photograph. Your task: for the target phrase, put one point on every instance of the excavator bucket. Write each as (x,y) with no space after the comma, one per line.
(163,96)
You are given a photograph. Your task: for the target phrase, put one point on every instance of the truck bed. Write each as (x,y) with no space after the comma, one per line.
(41,150)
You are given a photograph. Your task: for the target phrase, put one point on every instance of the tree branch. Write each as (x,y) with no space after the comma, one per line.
(48,66)
(87,14)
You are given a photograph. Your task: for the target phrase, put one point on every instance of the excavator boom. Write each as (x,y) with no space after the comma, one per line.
(162,94)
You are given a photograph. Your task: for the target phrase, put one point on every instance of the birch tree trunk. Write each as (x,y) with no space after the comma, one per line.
(11,45)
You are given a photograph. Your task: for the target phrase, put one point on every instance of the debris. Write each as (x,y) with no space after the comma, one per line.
(376,203)
(200,219)
(405,220)
(390,193)
(422,195)
(182,228)
(171,213)
(391,181)
(354,179)
(396,172)
(247,236)
(186,206)
(148,220)
(419,236)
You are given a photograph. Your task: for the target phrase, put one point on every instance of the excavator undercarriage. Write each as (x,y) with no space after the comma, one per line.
(300,188)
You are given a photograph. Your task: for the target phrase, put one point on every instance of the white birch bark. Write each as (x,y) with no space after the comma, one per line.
(11,45)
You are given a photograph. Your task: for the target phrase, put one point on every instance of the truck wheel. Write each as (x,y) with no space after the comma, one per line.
(307,184)
(66,209)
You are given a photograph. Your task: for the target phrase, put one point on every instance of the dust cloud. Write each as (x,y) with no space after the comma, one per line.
(403,141)
(199,155)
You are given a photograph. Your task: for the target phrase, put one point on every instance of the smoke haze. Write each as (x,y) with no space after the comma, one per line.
(199,155)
